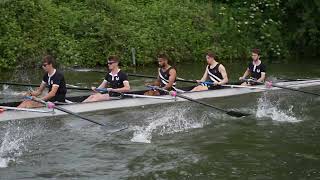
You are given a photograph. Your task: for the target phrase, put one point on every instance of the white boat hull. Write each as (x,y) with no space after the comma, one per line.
(136,102)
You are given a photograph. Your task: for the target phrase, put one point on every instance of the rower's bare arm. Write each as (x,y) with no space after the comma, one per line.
(103,84)
(205,76)
(246,74)
(52,93)
(263,77)
(39,90)
(125,88)
(224,74)
(172,78)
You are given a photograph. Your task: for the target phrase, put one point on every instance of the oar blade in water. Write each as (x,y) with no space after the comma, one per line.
(237,114)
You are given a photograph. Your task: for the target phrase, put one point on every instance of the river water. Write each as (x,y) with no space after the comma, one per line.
(176,141)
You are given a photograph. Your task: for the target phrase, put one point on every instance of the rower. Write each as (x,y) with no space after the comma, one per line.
(256,69)
(55,82)
(214,72)
(166,76)
(116,82)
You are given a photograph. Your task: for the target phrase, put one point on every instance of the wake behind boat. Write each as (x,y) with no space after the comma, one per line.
(129,101)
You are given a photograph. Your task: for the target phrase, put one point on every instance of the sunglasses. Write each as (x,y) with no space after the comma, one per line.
(110,62)
(44,65)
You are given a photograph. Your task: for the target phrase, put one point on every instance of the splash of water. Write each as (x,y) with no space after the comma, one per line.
(271,109)
(171,120)
(14,141)
(7,92)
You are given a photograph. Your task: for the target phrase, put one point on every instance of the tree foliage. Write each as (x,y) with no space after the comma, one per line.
(84,32)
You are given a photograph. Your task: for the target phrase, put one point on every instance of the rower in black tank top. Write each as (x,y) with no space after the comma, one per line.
(164,77)
(214,76)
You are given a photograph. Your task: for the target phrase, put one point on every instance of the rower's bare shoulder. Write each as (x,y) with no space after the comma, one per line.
(173,70)
(222,68)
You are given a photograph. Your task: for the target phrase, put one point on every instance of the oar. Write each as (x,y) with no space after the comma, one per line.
(134,75)
(290,79)
(105,90)
(146,96)
(37,85)
(236,86)
(24,109)
(269,84)
(51,105)
(231,113)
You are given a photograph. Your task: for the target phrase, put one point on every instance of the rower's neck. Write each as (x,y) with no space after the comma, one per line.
(51,71)
(257,62)
(213,64)
(115,70)
(167,66)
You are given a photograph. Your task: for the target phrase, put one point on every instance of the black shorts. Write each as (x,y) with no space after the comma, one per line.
(114,94)
(58,98)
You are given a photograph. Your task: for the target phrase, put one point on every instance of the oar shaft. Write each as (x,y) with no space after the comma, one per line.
(297,90)
(145,96)
(37,85)
(66,111)
(283,87)
(200,102)
(77,115)
(190,99)
(231,113)
(24,109)
(19,84)
(239,86)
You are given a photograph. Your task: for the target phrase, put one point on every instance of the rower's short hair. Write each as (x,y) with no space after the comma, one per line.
(48,59)
(212,55)
(163,56)
(256,51)
(113,58)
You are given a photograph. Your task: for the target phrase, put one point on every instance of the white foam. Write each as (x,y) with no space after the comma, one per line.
(4,162)
(270,109)
(7,92)
(14,142)
(170,120)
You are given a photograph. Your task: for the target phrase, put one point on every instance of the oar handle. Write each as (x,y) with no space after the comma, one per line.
(50,105)
(103,90)
(37,85)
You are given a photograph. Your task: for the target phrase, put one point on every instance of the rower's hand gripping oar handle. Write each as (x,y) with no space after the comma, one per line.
(103,90)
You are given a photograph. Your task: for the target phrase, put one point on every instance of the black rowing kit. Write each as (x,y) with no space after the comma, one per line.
(57,78)
(214,76)
(255,71)
(164,78)
(116,81)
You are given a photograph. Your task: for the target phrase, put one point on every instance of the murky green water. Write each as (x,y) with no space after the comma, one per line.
(178,141)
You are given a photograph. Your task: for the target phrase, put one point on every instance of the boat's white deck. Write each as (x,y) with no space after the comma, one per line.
(135,102)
